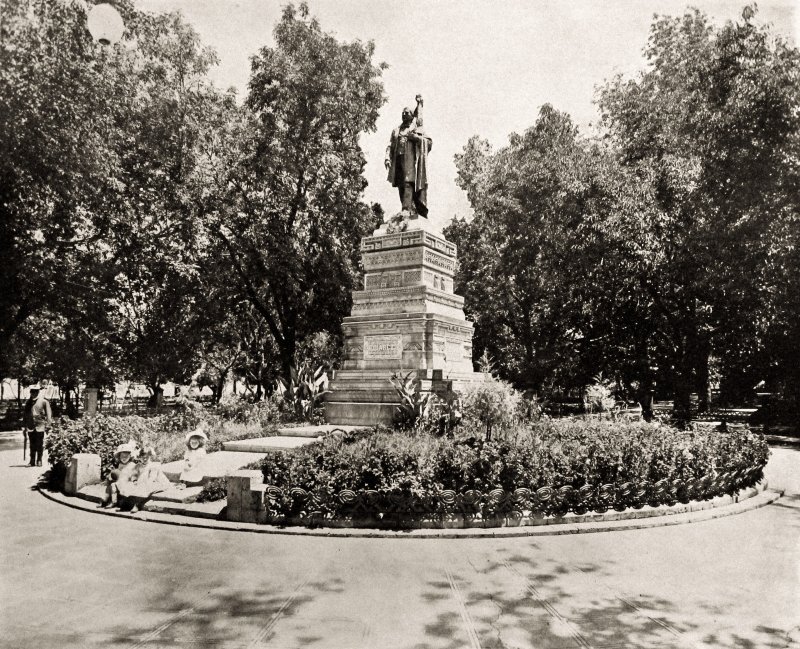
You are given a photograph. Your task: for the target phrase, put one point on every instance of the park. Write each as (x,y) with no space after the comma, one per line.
(323,325)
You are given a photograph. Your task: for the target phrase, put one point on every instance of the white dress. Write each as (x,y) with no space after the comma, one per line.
(192,469)
(149,479)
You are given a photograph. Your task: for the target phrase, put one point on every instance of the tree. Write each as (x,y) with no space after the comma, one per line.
(59,96)
(534,266)
(103,166)
(712,125)
(156,243)
(289,214)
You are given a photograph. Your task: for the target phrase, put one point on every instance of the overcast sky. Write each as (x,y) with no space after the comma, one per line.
(483,67)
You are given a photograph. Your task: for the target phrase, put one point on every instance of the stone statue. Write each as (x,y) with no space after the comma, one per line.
(406,161)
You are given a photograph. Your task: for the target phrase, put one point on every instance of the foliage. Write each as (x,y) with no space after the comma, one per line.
(214,490)
(416,408)
(491,404)
(165,433)
(237,410)
(100,189)
(286,212)
(304,391)
(598,395)
(712,128)
(97,435)
(551,454)
(664,245)
(532,265)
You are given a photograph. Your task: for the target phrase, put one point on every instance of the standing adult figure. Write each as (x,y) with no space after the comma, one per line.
(28,425)
(42,420)
(407,161)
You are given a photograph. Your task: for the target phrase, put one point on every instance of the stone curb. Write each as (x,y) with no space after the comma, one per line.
(611,523)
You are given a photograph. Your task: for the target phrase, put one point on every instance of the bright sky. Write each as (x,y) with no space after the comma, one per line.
(483,67)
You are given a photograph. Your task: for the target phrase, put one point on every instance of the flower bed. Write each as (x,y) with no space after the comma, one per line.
(553,468)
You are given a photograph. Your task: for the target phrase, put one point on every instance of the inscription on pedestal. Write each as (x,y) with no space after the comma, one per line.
(383,347)
(454,349)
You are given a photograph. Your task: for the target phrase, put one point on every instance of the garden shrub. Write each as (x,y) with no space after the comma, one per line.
(165,433)
(491,404)
(598,396)
(214,490)
(265,413)
(96,435)
(598,463)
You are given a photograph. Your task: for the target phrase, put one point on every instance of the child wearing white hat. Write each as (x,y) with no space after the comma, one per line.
(148,479)
(193,457)
(125,456)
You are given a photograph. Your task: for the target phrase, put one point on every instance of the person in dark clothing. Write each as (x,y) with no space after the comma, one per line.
(28,425)
(42,417)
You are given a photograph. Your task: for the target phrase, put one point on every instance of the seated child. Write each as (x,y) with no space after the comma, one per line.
(126,468)
(147,480)
(193,458)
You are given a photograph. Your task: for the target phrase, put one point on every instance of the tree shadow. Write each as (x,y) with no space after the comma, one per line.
(225,616)
(534,605)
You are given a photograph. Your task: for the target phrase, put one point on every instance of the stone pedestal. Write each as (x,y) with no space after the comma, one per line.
(246,497)
(407,319)
(84,469)
(90,404)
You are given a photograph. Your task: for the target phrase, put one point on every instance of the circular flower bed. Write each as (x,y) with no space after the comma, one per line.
(550,469)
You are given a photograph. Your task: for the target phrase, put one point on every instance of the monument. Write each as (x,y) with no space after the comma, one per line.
(407,318)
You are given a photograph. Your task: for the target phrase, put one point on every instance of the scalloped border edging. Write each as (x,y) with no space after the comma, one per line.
(718,507)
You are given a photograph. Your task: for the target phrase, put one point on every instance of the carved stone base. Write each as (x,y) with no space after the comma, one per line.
(407,319)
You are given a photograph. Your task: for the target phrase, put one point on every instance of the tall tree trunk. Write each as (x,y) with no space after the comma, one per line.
(683,384)
(704,375)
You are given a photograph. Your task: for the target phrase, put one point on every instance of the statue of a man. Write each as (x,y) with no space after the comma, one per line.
(406,161)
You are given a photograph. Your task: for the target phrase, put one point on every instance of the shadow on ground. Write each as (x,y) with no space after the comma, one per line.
(516,601)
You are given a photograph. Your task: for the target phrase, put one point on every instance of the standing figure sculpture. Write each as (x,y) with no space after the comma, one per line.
(406,161)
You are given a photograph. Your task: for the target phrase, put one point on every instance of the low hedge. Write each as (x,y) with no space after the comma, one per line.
(163,432)
(552,468)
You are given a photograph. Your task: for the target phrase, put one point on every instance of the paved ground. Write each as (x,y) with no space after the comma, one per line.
(73,579)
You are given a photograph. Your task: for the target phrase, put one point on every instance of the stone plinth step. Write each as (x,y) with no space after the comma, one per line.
(265,445)
(97,493)
(360,395)
(210,510)
(215,465)
(360,413)
(314,431)
(176,495)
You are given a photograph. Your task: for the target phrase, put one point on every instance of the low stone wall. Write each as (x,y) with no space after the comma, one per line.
(249,501)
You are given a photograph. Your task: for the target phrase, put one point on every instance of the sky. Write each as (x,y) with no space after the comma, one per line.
(483,67)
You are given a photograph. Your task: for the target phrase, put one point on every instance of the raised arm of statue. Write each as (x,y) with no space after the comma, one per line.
(418,111)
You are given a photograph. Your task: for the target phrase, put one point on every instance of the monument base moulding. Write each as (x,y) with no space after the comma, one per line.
(407,319)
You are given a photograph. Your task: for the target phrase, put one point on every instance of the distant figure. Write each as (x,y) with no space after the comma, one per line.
(42,420)
(407,159)
(28,425)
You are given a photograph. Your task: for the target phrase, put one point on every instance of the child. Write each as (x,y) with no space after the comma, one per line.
(147,480)
(193,458)
(122,475)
